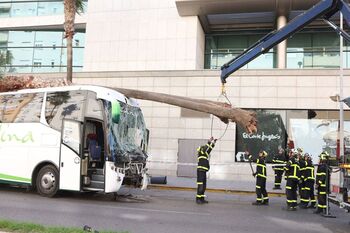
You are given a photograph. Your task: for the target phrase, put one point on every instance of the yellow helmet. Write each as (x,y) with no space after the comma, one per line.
(324,155)
(263,153)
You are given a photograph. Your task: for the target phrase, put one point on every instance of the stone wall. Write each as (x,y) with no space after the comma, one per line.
(272,89)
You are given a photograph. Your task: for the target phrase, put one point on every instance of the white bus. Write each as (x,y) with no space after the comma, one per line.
(78,138)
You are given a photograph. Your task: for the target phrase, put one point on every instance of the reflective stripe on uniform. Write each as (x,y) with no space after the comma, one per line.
(291,201)
(310,178)
(199,182)
(321,206)
(321,174)
(266,198)
(204,168)
(258,187)
(202,157)
(261,175)
(278,161)
(288,187)
(322,193)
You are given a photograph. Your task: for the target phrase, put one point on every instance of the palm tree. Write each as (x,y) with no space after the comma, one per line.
(71,7)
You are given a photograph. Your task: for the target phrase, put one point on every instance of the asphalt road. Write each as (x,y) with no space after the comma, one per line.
(161,211)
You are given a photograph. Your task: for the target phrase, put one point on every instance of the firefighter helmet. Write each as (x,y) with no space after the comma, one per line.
(263,153)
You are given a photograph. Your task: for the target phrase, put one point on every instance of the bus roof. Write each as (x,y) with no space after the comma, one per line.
(101,92)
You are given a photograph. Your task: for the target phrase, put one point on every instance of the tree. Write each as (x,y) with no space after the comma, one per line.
(226,113)
(71,7)
(6,58)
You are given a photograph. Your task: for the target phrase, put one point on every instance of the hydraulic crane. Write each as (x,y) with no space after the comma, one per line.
(324,10)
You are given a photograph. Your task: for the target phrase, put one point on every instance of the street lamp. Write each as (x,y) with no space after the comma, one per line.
(336,98)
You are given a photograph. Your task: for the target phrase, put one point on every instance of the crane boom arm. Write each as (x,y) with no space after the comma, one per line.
(324,9)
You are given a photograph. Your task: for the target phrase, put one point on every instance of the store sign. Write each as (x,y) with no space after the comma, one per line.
(270,137)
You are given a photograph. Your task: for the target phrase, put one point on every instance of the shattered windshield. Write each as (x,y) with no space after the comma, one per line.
(128,138)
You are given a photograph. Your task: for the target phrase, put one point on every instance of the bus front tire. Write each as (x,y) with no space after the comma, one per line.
(47,181)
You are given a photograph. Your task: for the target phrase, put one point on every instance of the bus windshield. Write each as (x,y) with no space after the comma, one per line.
(127,139)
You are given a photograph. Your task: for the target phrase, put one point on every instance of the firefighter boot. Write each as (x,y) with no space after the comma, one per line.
(199,201)
(318,211)
(257,203)
(205,201)
(312,206)
(265,202)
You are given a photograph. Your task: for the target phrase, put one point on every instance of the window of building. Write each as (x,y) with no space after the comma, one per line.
(220,49)
(27,8)
(27,48)
(313,50)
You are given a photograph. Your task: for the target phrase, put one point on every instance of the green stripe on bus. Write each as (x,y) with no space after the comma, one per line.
(14,178)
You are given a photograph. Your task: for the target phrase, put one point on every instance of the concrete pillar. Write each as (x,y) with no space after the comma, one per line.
(281,47)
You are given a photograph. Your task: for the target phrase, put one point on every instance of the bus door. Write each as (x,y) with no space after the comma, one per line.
(70,159)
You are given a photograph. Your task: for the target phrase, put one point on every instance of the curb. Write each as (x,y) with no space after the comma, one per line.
(212,190)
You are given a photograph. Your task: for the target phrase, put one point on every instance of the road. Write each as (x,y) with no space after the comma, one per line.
(163,211)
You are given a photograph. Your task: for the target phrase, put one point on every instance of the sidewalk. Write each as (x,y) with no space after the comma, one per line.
(220,185)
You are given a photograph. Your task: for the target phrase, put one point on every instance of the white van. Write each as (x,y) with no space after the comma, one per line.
(78,138)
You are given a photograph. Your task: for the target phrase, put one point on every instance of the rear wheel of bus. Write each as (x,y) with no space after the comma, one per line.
(47,181)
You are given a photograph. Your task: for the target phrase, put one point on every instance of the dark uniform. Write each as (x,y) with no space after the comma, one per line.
(279,160)
(262,197)
(309,181)
(293,176)
(302,191)
(202,168)
(321,186)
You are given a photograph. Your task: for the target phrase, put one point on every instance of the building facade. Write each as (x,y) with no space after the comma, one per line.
(176,47)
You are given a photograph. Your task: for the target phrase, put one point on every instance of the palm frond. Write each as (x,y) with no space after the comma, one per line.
(80,6)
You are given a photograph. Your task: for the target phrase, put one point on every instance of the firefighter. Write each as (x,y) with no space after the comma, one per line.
(302,189)
(300,161)
(309,182)
(292,172)
(279,160)
(262,197)
(202,169)
(321,184)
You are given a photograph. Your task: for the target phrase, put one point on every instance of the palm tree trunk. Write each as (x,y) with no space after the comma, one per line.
(226,113)
(69,18)
(69,59)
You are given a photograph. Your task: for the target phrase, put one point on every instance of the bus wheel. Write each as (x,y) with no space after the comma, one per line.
(47,181)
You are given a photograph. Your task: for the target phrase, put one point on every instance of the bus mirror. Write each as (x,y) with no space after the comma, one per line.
(115,112)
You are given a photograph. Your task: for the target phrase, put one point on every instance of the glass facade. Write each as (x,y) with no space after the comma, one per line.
(315,50)
(219,49)
(25,8)
(304,50)
(37,51)
(40,51)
